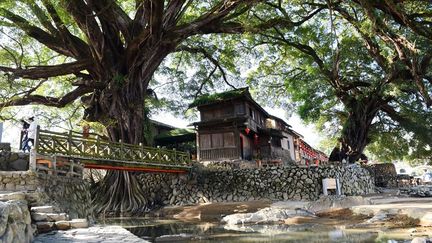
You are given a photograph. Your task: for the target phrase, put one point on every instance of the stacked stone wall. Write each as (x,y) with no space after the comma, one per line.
(11,161)
(70,194)
(18,181)
(385,174)
(273,183)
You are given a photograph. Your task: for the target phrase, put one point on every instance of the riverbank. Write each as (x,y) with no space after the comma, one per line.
(95,234)
(377,218)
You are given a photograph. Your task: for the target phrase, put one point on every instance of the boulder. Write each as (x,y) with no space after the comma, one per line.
(420,240)
(266,215)
(426,220)
(15,223)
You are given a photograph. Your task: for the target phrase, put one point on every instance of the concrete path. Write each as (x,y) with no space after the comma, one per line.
(96,234)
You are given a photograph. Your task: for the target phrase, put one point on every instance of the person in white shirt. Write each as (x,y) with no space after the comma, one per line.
(31,136)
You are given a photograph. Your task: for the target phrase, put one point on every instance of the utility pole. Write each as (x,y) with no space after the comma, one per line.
(1,131)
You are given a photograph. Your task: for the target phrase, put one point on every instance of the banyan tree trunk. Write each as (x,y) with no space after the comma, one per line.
(120,192)
(354,137)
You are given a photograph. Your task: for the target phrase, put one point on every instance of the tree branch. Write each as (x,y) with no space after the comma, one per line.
(39,72)
(47,100)
(36,33)
(209,57)
(78,47)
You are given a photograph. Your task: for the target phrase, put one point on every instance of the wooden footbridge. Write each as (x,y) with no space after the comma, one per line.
(69,153)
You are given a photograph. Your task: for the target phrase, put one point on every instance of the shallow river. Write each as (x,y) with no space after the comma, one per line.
(156,230)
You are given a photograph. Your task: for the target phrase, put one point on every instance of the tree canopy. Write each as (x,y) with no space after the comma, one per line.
(360,67)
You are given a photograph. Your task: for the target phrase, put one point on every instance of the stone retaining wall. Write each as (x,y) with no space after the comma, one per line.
(385,174)
(274,183)
(18,181)
(70,194)
(11,161)
(15,222)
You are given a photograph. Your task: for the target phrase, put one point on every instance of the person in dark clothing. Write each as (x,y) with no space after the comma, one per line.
(24,136)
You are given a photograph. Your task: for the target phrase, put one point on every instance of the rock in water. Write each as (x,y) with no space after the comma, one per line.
(266,215)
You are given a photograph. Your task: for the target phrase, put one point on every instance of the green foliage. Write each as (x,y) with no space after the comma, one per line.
(212,98)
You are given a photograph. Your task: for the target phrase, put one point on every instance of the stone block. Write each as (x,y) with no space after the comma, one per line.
(79,223)
(43,209)
(39,216)
(19,164)
(43,227)
(10,186)
(57,216)
(62,225)
(12,196)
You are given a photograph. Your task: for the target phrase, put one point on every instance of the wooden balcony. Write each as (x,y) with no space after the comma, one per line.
(219,153)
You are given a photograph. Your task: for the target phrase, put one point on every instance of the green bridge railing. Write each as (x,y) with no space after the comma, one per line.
(69,144)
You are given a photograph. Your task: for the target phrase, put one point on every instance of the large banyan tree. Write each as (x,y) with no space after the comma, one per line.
(103,53)
(362,69)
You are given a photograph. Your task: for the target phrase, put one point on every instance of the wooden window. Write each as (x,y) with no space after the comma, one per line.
(207,115)
(217,113)
(239,109)
(252,113)
(228,111)
(276,142)
(228,138)
(205,141)
(217,140)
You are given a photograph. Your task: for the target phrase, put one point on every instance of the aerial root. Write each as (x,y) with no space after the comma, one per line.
(119,193)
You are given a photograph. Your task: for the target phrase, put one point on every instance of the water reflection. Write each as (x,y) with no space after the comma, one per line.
(178,231)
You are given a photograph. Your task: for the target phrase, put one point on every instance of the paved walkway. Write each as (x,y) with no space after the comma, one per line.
(96,234)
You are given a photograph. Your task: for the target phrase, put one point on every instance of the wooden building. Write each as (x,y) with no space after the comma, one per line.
(170,137)
(233,126)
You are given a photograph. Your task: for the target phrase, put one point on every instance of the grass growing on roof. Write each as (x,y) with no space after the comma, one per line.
(176,132)
(212,98)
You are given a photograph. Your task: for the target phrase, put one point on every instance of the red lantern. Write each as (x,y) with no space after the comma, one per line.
(247,130)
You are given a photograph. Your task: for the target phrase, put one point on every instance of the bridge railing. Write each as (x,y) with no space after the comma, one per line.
(73,145)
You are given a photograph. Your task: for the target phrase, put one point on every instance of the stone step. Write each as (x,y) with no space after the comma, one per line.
(45,226)
(51,217)
(44,209)
(6,196)
(72,224)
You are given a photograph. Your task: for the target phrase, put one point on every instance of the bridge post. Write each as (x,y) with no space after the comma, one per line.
(54,163)
(141,150)
(97,145)
(32,159)
(122,154)
(33,151)
(69,143)
(158,154)
(71,168)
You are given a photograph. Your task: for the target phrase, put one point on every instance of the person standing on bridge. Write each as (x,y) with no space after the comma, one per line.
(31,134)
(24,136)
